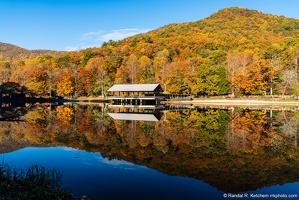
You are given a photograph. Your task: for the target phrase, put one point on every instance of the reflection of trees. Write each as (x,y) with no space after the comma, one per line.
(11,112)
(64,116)
(290,125)
(144,137)
(234,153)
(290,129)
(127,129)
(64,125)
(92,122)
(249,131)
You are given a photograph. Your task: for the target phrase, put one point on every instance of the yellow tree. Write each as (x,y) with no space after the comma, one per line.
(159,64)
(132,64)
(64,83)
(102,79)
(237,62)
(144,71)
(87,76)
(16,72)
(48,66)
(257,78)
(179,77)
(36,77)
(4,71)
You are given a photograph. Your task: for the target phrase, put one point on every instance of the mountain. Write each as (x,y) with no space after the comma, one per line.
(233,51)
(228,29)
(12,52)
(239,38)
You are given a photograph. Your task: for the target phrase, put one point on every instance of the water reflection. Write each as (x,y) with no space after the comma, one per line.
(233,150)
(101,178)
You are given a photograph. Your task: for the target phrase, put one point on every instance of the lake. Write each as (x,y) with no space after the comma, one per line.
(178,153)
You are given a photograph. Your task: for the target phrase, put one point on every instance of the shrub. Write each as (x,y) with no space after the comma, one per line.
(36,182)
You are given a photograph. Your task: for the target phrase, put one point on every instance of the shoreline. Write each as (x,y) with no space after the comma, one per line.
(236,102)
(196,101)
(205,102)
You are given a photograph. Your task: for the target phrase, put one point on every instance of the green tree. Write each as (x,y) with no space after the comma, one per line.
(207,82)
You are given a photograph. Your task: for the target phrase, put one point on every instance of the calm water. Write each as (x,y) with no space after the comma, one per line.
(117,153)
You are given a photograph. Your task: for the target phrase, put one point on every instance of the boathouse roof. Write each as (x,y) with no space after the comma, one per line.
(135,88)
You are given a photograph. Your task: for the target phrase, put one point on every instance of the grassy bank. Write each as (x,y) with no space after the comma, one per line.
(35,182)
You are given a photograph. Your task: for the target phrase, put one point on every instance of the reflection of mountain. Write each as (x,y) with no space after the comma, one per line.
(236,155)
(10,145)
(226,173)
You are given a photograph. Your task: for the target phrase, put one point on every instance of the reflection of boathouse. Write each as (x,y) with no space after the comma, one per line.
(156,116)
(136,94)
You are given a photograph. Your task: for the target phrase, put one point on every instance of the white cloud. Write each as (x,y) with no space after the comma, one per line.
(80,47)
(118,34)
(69,149)
(96,38)
(89,35)
(115,162)
(120,164)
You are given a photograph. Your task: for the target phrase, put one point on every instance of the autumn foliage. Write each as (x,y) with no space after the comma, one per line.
(234,51)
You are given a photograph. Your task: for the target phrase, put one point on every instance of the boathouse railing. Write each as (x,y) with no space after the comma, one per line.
(178,97)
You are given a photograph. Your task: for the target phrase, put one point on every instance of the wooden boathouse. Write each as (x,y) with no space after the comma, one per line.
(136,94)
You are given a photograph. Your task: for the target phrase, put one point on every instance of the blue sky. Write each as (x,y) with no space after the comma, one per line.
(78,24)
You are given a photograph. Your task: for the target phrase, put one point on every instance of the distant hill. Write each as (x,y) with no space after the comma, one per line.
(12,52)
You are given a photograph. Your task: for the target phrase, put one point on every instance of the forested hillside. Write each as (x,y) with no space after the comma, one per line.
(234,51)
(12,52)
